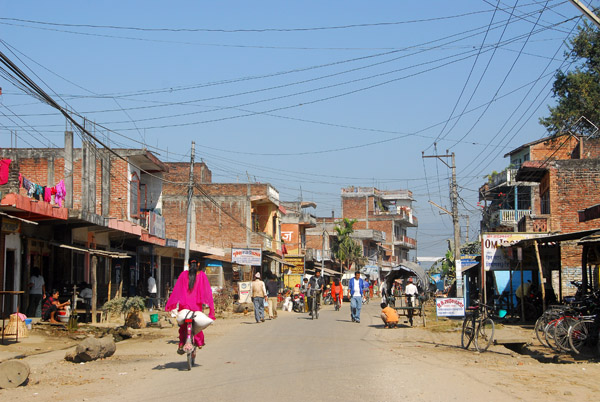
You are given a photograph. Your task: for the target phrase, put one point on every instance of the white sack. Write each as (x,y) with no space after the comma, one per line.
(201,320)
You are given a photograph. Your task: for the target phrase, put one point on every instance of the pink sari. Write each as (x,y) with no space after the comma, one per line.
(191,300)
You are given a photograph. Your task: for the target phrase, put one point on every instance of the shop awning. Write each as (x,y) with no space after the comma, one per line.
(272,257)
(105,253)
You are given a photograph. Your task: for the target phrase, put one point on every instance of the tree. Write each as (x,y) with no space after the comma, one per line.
(577,92)
(345,249)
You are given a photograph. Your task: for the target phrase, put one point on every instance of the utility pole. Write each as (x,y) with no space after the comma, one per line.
(586,11)
(323,249)
(467,217)
(188,223)
(454,214)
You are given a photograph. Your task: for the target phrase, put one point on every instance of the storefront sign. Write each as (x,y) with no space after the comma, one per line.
(244,289)
(494,250)
(246,256)
(298,268)
(10,226)
(450,307)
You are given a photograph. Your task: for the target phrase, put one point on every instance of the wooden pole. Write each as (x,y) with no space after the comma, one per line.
(109,277)
(94,287)
(542,280)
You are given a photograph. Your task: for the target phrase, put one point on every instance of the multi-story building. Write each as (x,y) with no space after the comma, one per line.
(229,216)
(87,214)
(383,217)
(550,180)
(506,200)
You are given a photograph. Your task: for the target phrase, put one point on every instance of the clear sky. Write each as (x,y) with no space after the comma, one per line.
(310,96)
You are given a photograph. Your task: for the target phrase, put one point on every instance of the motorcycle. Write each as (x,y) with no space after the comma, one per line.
(327,297)
(298,303)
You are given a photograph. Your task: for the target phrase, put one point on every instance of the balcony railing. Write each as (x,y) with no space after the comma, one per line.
(506,177)
(405,241)
(509,216)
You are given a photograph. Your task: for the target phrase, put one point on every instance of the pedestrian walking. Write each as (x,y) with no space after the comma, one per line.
(272,290)
(152,290)
(356,287)
(258,292)
(37,290)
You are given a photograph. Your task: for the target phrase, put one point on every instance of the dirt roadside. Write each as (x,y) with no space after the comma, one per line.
(144,356)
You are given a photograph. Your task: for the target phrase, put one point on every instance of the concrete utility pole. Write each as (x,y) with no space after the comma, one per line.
(454,214)
(587,12)
(188,223)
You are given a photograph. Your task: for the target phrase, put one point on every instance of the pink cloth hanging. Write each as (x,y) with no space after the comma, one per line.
(48,194)
(61,192)
(4,165)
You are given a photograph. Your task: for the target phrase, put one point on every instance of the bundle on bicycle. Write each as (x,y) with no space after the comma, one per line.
(191,292)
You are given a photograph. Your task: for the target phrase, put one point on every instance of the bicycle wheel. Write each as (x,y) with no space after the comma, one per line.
(190,360)
(540,325)
(579,334)
(468,332)
(549,333)
(485,335)
(561,333)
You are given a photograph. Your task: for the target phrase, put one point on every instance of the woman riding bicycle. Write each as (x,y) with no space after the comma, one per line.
(191,291)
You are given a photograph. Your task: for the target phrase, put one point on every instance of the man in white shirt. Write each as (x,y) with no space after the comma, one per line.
(37,288)
(411,292)
(152,290)
(355,293)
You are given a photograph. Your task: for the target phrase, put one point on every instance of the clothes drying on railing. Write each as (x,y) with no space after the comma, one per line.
(43,193)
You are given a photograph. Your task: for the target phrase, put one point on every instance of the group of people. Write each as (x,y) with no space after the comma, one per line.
(49,302)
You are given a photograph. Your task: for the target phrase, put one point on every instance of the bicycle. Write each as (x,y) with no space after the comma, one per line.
(189,348)
(478,328)
(314,305)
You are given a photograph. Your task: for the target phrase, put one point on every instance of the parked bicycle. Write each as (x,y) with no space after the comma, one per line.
(478,328)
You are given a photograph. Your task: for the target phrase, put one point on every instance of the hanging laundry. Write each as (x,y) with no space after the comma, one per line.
(48,194)
(61,192)
(4,164)
(20,180)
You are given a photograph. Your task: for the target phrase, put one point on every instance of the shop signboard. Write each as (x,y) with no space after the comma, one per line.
(450,306)
(246,256)
(244,291)
(298,268)
(494,254)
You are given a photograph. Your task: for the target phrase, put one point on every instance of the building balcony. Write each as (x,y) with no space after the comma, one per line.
(369,234)
(508,217)
(397,213)
(537,223)
(405,241)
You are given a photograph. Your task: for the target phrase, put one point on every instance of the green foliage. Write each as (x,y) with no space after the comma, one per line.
(577,92)
(345,249)
(124,305)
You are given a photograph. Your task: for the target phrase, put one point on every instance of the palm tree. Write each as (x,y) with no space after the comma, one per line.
(345,249)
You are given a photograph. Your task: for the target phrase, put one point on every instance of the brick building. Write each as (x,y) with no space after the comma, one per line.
(226,216)
(108,230)
(383,217)
(548,181)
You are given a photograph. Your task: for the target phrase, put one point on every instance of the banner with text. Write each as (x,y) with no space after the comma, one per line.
(247,256)
(450,307)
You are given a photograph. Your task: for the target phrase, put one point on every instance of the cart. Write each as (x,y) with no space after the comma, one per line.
(405,308)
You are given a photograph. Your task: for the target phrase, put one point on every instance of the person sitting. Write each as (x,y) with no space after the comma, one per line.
(85,296)
(51,306)
(389,316)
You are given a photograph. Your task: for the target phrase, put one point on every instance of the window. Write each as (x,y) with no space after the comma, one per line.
(134,199)
(545,203)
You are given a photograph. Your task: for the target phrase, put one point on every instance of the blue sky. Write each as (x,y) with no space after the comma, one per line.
(309,96)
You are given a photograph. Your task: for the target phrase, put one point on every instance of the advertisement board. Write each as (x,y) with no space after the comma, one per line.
(246,256)
(244,289)
(298,268)
(450,306)
(493,255)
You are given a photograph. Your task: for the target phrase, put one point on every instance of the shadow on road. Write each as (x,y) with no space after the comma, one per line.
(181,366)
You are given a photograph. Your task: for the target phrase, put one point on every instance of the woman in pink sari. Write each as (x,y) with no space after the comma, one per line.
(191,291)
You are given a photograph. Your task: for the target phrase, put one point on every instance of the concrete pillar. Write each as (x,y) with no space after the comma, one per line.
(50,179)
(105,187)
(92,177)
(69,169)
(84,175)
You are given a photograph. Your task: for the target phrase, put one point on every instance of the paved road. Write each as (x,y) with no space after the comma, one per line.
(295,358)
